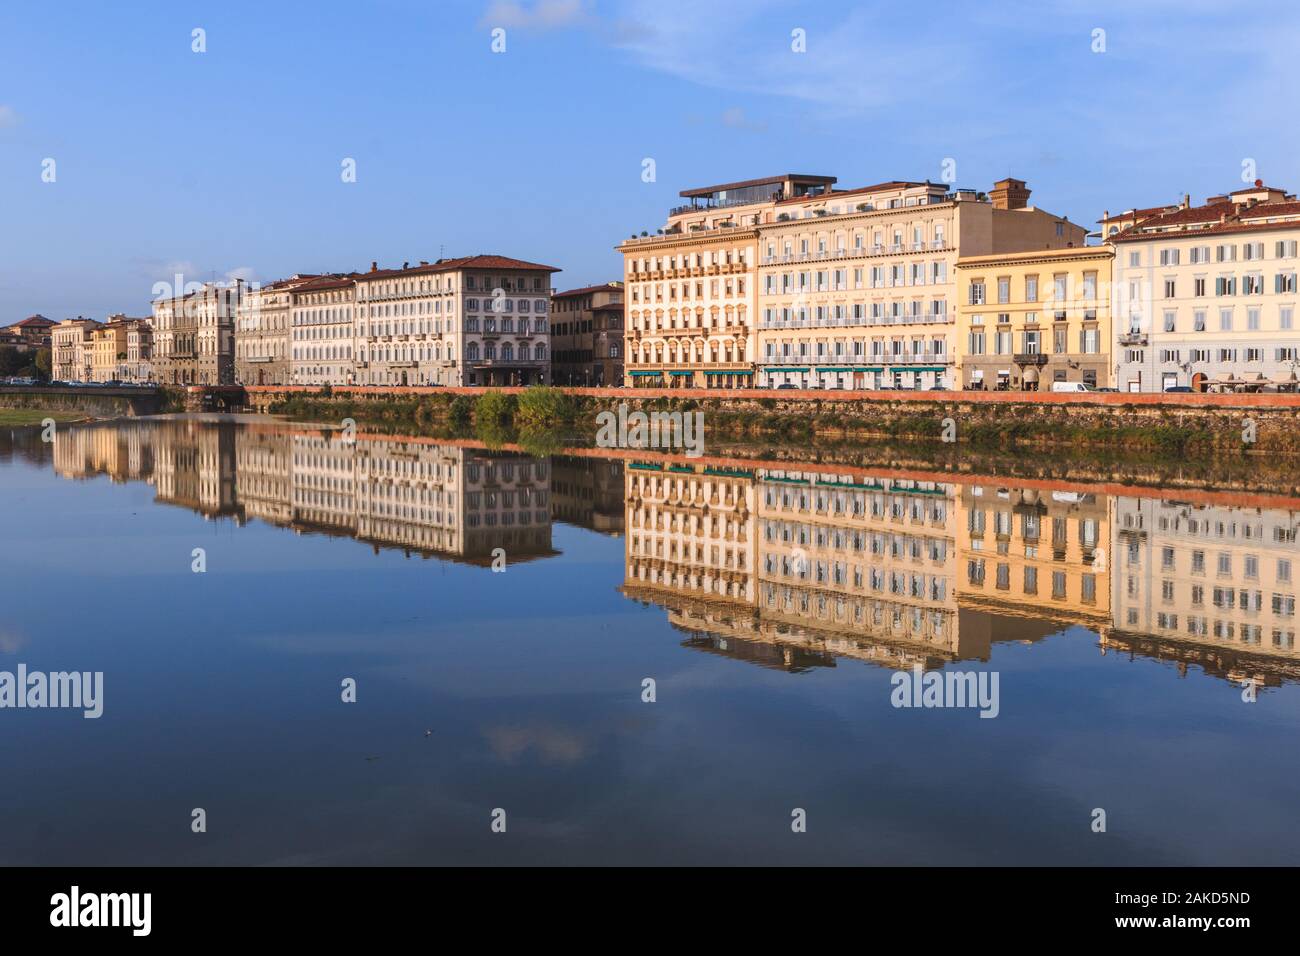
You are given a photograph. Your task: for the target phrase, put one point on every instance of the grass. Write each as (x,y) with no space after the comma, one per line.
(34,416)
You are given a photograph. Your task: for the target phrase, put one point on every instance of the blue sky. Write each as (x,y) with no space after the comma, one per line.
(228,162)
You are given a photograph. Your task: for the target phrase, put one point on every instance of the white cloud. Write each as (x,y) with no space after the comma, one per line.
(735,118)
(539,15)
(8,116)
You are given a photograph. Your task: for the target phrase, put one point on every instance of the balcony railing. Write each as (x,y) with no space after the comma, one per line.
(1030,358)
(1133,338)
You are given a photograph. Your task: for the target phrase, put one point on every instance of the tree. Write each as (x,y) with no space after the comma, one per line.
(44,364)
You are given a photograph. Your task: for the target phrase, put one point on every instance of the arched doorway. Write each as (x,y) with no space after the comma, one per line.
(1200,381)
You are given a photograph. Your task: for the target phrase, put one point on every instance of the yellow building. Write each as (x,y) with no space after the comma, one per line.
(1036,554)
(1028,319)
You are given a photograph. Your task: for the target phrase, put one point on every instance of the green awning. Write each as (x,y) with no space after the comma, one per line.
(771,369)
(644,373)
(919,368)
(680,372)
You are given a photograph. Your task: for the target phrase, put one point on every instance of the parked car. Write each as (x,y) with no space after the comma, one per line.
(1179,388)
(787,385)
(1072,387)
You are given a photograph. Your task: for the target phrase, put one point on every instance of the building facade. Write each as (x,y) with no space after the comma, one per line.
(71,350)
(1217,578)
(122,350)
(322,313)
(691,291)
(858,288)
(262,333)
(1206,296)
(475,320)
(788,281)
(194,335)
(30,333)
(587,335)
(1028,319)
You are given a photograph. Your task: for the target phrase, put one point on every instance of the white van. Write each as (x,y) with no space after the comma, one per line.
(1072,387)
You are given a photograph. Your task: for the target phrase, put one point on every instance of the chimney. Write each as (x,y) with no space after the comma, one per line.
(1187,201)
(1009,194)
(424,262)
(406,265)
(374,266)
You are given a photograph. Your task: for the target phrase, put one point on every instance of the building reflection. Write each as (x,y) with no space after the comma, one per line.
(785,568)
(411,494)
(796,569)
(1207,585)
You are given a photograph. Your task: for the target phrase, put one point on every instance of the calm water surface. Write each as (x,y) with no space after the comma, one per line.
(771,607)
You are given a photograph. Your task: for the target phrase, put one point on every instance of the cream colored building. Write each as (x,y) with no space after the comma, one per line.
(1029,319)
(262,333)
(194,335)
(1208,294)
(691,297)
(72,350)
(788,281)
(322,331)
(858,288)
(476,320)
(1219,578)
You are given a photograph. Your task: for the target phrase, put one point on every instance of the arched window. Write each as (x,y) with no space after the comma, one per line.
(539,353)
(471,352)
(507,352)
(489,351)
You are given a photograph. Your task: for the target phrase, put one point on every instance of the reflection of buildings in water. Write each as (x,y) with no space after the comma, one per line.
(892,571)
(1036,554)
(844,561)
(389,492)
(691,532)
(264,474)
(588,492)
(507,505)
(1207,584)
(794,569)
(422,497)
(121,453)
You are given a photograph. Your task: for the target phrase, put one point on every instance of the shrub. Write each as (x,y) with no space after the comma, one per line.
(541,406)
(461,410)
(495,408)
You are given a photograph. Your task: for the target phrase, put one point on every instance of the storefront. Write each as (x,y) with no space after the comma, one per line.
(644,379)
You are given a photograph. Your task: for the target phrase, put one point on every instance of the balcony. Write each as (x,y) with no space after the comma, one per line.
(1133,338)
(1030,358)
